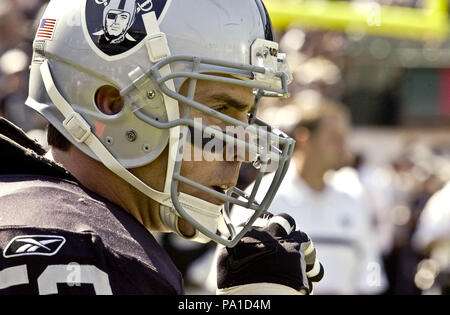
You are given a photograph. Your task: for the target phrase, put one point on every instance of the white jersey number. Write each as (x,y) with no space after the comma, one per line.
(72,274)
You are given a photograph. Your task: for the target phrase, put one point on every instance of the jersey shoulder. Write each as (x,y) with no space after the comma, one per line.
(54,261)
(52,222)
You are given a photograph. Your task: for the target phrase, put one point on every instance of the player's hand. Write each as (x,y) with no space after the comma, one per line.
(272,258)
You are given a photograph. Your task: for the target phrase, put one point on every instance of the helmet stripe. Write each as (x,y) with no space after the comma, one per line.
(267,23)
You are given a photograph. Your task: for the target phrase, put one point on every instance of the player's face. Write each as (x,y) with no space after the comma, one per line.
(231,100)
(117,22)
(329,142)
(210,163)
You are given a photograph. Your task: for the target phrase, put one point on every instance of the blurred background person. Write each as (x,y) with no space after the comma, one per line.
(371,185)
(432,239)
(338,223)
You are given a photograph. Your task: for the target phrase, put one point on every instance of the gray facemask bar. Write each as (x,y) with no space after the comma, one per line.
(280,156)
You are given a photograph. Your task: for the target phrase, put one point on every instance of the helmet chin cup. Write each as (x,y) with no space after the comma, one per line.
(170,219)
(205,213)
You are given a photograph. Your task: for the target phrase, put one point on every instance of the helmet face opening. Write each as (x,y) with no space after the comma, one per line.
(147,50)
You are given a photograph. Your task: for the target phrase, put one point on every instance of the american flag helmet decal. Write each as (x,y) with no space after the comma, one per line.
(46,29)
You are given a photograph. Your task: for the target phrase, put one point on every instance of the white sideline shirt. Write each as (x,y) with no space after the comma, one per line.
(434,221)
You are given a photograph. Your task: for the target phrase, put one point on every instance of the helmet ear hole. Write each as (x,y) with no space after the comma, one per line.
(108,100)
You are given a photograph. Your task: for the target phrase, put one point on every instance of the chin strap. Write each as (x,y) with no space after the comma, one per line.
(200,210)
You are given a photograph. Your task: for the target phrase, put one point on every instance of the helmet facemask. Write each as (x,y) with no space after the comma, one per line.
(271,149)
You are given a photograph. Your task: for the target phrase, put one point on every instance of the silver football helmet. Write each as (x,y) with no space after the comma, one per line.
(147,49)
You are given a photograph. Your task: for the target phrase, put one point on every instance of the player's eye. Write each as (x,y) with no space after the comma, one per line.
(221,108)
(123,17)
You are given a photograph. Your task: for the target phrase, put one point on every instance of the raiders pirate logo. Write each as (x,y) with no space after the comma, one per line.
(116,26)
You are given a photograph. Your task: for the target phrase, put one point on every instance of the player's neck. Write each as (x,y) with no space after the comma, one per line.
(97,178)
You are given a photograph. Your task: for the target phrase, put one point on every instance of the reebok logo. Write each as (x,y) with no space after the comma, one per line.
(45,245)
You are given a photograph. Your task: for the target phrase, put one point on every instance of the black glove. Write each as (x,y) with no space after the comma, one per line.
(273,253)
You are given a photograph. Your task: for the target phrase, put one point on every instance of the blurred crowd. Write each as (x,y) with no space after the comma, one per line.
(17,30)
(381,225)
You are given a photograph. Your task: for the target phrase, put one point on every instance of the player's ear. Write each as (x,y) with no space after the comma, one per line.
(108,100)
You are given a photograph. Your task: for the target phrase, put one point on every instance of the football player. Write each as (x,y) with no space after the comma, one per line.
(124,116)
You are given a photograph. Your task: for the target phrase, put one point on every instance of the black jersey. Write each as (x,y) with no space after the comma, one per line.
(57,237)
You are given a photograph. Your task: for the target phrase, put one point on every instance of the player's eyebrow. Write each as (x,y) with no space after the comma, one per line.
(233,102)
